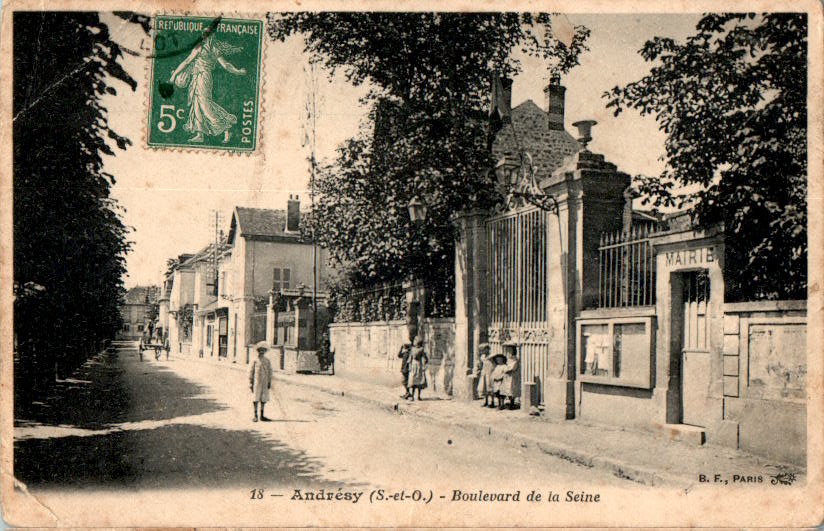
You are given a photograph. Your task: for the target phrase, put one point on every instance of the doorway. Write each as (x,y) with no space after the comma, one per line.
(222,337)
(690,345)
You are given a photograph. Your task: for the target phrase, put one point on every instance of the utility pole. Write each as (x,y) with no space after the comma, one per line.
(217,243)
(311,115)
(218,219)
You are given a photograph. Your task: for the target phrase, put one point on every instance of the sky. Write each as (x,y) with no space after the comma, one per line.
(169,197)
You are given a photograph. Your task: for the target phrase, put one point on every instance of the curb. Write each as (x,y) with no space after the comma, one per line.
(641,474)
(616,467)
(217,364)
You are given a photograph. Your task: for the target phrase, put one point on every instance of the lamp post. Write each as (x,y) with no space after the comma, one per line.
(515,178)
(417,214)
(417,211)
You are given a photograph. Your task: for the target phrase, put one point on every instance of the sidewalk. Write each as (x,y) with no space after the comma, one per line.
(642,457)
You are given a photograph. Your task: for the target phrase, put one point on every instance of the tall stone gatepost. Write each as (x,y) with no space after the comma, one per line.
(471,284)
(589,195)
(272,317)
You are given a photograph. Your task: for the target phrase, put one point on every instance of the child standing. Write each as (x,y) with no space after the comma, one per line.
(511,384)
(417,367)
(498,374)
(483,371)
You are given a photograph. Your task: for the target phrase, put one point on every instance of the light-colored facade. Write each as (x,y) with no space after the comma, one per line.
(138,307)
(163,303)
(268,252)
(180,301)
(264,251)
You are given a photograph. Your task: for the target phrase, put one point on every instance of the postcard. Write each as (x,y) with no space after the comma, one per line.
(411,264)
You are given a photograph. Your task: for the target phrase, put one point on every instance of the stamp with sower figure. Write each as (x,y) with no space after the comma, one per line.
(204,85)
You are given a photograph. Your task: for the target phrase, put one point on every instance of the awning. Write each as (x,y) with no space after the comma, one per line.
(209,308)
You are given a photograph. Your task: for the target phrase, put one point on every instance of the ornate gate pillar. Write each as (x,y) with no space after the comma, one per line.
(589,192)
(471,318)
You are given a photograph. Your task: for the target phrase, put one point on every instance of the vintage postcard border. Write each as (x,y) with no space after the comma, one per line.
(798,506)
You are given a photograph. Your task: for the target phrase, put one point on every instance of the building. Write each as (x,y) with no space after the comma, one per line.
(192,292)
(164,295)
(220,302)
(138,310)
(269,253)
(619,315)
(180,300)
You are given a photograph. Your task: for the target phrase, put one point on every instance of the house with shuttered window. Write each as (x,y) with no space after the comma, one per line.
(269,253)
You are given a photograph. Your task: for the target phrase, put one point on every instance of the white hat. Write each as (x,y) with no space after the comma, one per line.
(261,345)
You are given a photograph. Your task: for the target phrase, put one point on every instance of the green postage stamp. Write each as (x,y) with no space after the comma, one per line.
(204,83)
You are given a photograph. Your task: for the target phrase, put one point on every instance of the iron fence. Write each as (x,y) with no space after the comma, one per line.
(627,268)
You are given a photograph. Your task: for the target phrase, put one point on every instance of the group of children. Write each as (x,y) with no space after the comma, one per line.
(499,376)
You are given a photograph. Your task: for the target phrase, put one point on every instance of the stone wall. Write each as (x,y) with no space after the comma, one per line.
(369,351)
(763,356)
(765,369)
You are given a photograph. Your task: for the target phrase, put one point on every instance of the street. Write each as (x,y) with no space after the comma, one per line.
(125,424)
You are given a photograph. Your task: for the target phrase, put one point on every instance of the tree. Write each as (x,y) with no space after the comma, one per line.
(427,134)
(732,101)
(69,241)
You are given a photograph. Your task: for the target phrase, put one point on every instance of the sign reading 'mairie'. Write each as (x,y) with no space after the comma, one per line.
(687,257)
(204,85)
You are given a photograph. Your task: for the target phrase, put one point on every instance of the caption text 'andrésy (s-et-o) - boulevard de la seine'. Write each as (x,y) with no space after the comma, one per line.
(426,496)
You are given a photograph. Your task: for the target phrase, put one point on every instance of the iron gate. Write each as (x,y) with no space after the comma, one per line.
(518,294)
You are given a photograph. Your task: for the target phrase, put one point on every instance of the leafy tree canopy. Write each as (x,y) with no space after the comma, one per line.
(732,101)
(427,134)
(69,240)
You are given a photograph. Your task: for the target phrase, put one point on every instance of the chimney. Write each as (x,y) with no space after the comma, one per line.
(293,214)
(502,98)
(555,103)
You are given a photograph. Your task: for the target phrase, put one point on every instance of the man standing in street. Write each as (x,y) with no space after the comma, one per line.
(260,380)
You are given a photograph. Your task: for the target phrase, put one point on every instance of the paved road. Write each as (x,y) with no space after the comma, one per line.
(123,423)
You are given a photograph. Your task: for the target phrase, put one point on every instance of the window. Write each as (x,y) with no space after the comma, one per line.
(139,328)
(258,328)
(281,278)
(209,335)
(696,296)
(616,351)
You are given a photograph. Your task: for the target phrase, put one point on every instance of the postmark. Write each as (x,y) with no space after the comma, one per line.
(204,83)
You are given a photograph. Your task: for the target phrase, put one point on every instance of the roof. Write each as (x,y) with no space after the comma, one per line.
(646,215)
(548,147)
(260,222)
(209,308)
(142,295)
(205,253)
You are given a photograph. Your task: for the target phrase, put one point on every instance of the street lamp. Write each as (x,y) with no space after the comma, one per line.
(516,182)
(506,171)
(417,211)
(417,214)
